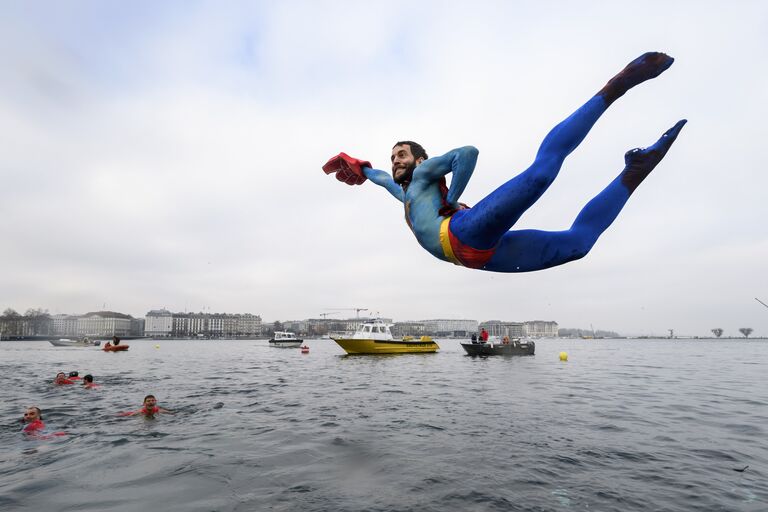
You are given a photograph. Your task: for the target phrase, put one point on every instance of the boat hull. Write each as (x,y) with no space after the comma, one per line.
(68,343)
(500,349)
(286,344)
(352,346)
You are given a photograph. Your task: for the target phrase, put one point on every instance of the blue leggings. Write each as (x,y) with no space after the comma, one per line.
(487,224)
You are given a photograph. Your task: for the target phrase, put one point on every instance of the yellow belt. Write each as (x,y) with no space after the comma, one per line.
(445,242)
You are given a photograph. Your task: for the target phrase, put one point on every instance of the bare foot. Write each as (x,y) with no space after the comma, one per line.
(647,66)
(641,161)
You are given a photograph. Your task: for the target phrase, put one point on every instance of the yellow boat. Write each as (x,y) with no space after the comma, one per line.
(374,337)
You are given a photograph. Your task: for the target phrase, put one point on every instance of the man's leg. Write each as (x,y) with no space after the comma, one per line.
(483,225)
(527,250)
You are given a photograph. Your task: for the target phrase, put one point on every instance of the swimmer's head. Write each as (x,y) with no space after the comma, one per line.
(88,379)
(406,156)
(150,400)
(33,414)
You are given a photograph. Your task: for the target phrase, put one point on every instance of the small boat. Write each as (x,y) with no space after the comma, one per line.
(285,339)
(65,342)
(374,337)
(115,348)
(513,347)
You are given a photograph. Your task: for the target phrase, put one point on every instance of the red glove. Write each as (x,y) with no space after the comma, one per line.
(347,169)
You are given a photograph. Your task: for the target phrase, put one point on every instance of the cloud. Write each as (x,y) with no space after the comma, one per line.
(170,155)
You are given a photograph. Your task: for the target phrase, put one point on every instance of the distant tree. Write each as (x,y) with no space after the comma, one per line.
(606,334)
(717,332)
(10,313)
(277,326)
(746,331)
(569,332)
(39,321)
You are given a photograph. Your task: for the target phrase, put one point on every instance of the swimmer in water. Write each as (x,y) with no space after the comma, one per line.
(149,408)
(34,426)
(88,382)
(33,420)
(61,379)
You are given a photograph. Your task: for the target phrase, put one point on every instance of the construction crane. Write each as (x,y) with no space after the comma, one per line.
(356,310)
(325,315)
(761,302)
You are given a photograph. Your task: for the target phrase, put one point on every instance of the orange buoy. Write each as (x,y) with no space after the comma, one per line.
(304,349)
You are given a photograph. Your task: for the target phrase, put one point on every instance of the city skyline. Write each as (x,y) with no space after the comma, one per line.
(727,332)
(171,155)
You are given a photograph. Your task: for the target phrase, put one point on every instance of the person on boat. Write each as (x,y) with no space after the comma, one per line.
(483,335)
(88,382)
(61,379)
(149,408)
(481,237)
(474,338)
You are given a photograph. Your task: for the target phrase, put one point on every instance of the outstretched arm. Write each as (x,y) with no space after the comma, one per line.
(461,162)
(383,179)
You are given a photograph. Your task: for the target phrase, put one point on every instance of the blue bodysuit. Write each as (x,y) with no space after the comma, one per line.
(481,237)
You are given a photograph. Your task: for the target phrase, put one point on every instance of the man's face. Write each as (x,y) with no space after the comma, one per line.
(150,402)
(60,377)
(403,163)
(31,415)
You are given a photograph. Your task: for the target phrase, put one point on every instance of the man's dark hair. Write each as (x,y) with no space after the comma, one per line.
(416,150)
(88,378)
(148,396)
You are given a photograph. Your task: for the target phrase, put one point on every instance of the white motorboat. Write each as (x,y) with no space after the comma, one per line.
(285,339)
(65,342)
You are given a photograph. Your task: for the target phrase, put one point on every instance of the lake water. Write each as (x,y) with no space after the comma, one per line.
(623,425)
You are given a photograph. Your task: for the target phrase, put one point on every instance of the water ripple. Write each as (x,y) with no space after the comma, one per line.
(624,425)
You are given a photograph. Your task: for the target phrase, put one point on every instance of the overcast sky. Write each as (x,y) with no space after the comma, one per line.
(168,154)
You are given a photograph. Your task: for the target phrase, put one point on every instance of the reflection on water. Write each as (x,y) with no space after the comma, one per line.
(623,425)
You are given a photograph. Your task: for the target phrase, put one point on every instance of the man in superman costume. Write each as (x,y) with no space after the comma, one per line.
(481,237)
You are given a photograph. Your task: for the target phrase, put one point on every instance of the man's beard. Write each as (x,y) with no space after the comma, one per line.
(404,178)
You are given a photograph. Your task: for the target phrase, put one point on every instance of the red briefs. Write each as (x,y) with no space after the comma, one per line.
(460,253)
